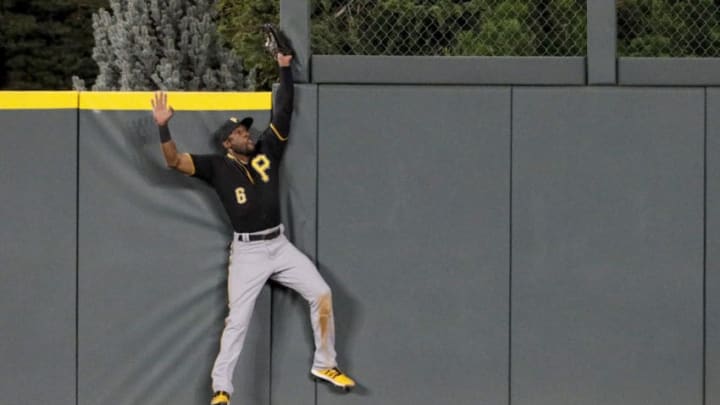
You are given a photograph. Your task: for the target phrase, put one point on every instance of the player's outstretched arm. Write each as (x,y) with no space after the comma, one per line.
(162,113)
(285,94)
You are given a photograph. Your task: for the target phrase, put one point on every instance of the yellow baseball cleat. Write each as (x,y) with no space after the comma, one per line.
(220,398)
(334,376)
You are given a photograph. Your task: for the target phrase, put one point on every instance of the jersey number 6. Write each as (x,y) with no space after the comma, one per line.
(240,195)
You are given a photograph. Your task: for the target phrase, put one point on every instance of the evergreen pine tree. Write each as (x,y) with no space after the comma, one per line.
(162,44)
(44,42)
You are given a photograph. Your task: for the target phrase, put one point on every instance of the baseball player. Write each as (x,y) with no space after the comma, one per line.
(245,178)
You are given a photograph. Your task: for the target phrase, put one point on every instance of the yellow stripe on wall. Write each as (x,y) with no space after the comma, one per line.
(138,100)
(38,100)
(188,101)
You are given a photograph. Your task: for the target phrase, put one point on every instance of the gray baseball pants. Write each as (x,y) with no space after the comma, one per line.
(251,265)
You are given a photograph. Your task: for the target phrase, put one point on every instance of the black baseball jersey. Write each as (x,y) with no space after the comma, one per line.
(249,192)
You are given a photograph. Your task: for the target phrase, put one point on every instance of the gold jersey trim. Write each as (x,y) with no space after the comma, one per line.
(241,164)
(277,133)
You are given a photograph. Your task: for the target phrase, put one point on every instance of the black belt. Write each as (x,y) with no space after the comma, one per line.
(265,236)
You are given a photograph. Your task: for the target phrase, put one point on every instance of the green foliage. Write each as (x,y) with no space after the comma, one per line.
(414,27)
(44,42)
(239,25)
(449,27)
(671,28)
(501,30)
(568,35)
(176,44)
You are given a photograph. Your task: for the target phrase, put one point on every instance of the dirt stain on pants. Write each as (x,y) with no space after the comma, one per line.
(325,312)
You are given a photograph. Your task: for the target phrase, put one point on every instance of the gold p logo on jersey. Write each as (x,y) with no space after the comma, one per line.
(261,164)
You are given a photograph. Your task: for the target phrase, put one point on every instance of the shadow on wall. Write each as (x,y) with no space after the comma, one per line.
(144,143)
(349,318)
(141,134)
(145,153)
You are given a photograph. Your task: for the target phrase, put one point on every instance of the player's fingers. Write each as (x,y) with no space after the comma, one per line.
(152,102)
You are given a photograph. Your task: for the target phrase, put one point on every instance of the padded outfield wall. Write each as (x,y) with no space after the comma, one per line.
(492,244)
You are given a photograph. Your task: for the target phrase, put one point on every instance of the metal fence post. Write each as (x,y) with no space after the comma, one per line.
(601,42)
(295,21)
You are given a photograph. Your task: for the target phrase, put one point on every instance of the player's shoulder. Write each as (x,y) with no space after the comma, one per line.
(207,161)
(210,157)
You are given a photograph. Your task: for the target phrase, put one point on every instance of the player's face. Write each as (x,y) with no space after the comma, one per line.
(239,141)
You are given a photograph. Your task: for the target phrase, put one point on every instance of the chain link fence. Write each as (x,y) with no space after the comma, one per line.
(671,28)
(449,27)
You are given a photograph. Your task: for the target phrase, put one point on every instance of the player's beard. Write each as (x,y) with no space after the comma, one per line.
(244,149)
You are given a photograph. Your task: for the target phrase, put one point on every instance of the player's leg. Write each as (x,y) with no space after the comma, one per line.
(296,271)
(248,271)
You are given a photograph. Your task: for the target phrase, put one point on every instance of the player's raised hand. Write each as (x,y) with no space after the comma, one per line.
(162,112)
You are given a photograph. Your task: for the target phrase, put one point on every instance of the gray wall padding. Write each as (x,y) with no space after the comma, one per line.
(448,70)
(666,71)
(601,42)
(292,344)
(38,179)
(532,245)
(413,237)
(607,244)
(712,287)
(152,269)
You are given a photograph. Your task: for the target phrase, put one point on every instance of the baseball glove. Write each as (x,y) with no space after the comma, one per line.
(276,41)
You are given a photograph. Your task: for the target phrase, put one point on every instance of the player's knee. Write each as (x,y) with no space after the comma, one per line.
(326,304)
(322,296)
(325,293)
